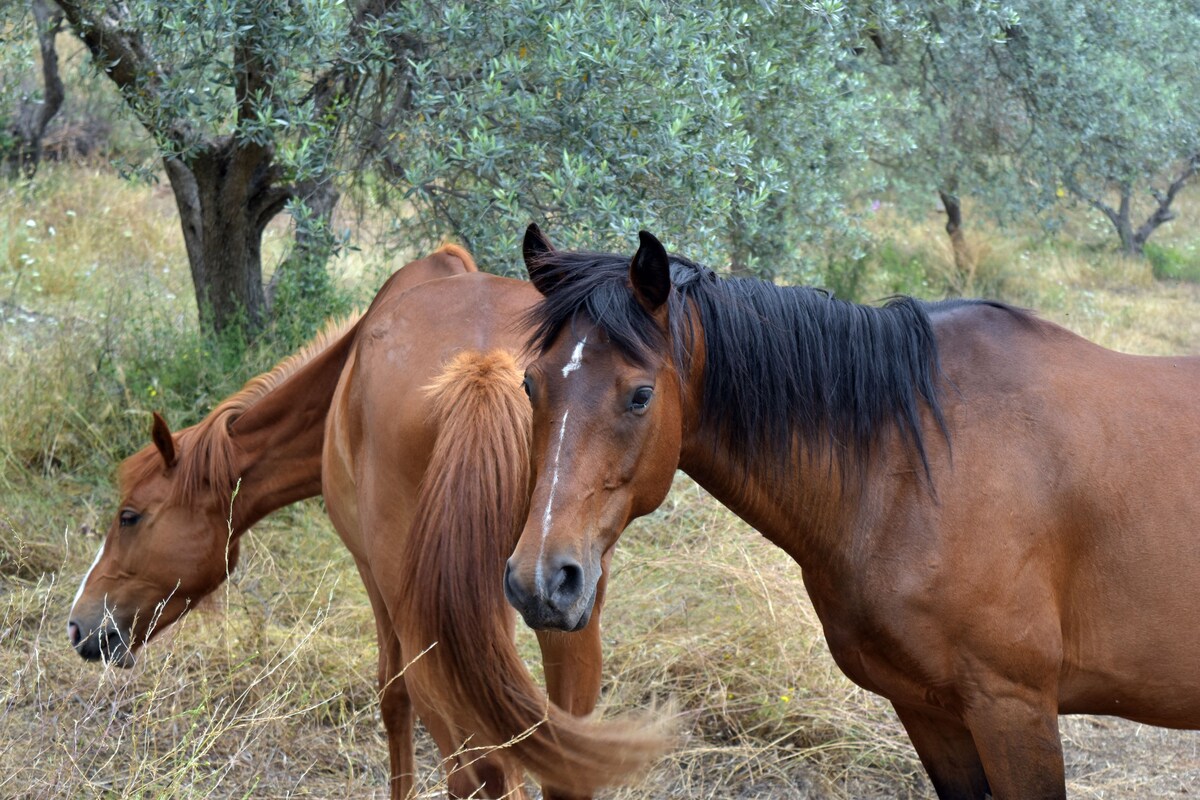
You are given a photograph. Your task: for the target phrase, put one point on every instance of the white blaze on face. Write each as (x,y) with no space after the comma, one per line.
(548,515)
(82,583)
(576,358)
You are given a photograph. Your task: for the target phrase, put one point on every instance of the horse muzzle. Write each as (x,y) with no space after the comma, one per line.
(104,642)
(560,597)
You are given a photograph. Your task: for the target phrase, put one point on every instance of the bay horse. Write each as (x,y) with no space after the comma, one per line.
(997,521)
(425,490)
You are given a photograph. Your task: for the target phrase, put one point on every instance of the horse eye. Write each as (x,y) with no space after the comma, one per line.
(129,518)
(527,385)
(641,399)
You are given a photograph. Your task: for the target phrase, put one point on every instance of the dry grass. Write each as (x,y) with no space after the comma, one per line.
(269,691)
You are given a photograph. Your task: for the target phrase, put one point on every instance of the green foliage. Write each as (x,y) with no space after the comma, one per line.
(1021,105)
(1111,102)
(595,120)
(811,118)
(1169,263)
(302,301)
(199,55)
(901,270)
(730,128)
(955,124)
(745,133)
(18,48)
(1111,94)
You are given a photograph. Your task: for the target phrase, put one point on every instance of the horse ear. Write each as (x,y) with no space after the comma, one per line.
(535,248)
(650,272)
(160,434)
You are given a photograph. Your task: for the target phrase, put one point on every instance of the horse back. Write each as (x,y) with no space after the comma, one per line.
(382,435)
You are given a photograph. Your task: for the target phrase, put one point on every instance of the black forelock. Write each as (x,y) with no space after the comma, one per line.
(782,366)
(596,287)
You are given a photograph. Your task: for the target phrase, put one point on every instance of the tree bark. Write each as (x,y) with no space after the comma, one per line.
(1162,212)
(226,194)
(1124,225)
(964,262)
(34,115)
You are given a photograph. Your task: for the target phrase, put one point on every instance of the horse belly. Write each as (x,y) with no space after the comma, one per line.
(1134,658)
(1131,623)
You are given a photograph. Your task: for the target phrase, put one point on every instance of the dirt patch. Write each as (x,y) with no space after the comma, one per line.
(1113,758)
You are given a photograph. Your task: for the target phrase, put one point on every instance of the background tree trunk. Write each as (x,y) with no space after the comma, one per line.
(964,262)
(34,116)
(226,195)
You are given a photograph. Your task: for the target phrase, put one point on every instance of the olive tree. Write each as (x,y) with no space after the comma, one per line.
(1113,95)
(736,128)
(35,103)
(728,125)
(593,119)
(242,98)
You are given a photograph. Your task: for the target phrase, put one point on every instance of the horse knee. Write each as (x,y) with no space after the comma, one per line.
(395,705)
(484,779)
(1019,745)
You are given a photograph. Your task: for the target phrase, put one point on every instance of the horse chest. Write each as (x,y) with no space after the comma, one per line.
(884,646)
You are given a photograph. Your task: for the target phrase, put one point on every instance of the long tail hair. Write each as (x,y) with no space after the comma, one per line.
(470,509)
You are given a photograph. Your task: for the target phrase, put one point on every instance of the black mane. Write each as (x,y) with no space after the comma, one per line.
(780,362)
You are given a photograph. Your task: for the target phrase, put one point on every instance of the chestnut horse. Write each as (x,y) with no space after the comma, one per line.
(348,416)
(998,521)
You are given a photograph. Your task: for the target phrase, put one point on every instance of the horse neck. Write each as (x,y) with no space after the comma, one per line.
(805,509)
(808,517)
(280,437)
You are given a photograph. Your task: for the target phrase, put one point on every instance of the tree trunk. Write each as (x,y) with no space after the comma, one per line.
(1130,245)
(1162,213)
(226,195)
(964,262)
(33,117)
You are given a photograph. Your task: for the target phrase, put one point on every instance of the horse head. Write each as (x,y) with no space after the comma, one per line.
(606,399)
(168,545)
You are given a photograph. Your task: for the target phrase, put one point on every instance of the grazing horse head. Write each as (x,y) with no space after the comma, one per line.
(606,398)
(167,546)
(187,498)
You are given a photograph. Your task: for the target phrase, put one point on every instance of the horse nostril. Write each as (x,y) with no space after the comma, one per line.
(516,595)
(566,585)
(74,634)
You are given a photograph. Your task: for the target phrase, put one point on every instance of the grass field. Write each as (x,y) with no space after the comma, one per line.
(269,689)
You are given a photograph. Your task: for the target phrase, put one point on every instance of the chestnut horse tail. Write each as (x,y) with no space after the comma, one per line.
(470,509)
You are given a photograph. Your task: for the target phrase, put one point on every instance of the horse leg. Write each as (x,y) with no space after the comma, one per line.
(947,752)
(395,705)
(572,662)
(469,772)
(1015,728)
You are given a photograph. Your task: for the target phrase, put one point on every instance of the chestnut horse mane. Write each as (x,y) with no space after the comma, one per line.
(207,453)
(785,367)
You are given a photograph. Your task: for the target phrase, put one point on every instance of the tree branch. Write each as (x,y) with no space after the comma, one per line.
(125,59)
(253,77)
(1095,202)
(33,116)
(1163,213)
